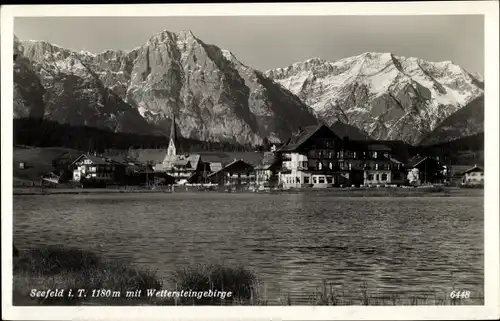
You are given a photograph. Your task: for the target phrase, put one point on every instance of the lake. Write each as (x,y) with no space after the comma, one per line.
(400,245)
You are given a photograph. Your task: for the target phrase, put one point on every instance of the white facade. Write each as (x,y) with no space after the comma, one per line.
(474,178)
(298,175)
(87,169)
(294,168)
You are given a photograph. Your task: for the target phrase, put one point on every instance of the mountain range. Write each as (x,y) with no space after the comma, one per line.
(215,97)
(387,96)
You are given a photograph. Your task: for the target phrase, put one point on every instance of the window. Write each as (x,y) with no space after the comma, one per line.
(370,177)
(350,166)
(377,177)
(330,165)
(374,154)
(354,155)
(329,180)
(322,180)
(384,177)
(315,180)
(320,166)
(376,167)
(329,154)
(297,180)
(306,180)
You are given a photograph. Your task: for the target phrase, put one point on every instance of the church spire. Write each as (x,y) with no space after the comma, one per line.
(172,144)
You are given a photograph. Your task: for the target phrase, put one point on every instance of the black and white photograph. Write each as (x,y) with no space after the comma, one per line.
(322,159)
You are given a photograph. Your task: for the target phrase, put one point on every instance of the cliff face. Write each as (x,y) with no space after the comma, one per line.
(28,90)
(387,96)
(213,95)
(467,121)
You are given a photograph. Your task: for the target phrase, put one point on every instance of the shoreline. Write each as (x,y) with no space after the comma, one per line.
(336,191)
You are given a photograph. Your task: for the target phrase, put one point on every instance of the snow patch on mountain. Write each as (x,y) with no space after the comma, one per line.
(388,96)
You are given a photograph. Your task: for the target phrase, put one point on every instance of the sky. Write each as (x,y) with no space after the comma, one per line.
(265,42)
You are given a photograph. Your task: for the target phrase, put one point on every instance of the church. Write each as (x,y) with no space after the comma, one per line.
(183,167)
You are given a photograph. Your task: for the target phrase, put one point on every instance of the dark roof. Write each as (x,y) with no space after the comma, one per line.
(378,147)
(414,161)
(458,169)
(475,168)
(228,166)
(225,158)
(301,137)
(418,159)
(351,132)
(98,160)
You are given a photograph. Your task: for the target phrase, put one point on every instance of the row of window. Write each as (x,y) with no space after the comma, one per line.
(343,154)
(383,177)
(349,166)
(377,177)
(307,180)
(476,174)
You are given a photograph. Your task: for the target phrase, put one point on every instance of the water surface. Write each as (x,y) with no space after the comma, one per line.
(399,245)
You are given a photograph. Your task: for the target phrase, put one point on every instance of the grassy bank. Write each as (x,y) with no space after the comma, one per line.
(71,269)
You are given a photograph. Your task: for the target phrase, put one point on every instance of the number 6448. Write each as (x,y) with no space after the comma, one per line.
(460,294)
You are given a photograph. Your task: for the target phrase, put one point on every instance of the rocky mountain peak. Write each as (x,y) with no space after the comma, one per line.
(212,94)
(387,96)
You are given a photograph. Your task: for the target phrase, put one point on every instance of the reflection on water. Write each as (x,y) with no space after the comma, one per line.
(292,241)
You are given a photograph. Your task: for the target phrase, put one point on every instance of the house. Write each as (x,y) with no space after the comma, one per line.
(183,167)
(317,157)
(380,166)
(473,176)
(308,158)
(425,170)
(237,174)
(144,174)
(267,171)
(89,167)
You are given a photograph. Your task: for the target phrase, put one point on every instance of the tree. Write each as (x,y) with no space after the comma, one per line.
(265,144)
(414,177)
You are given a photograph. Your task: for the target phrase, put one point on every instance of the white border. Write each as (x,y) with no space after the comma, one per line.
(490,310)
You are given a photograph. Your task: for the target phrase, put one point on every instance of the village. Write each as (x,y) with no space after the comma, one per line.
(314,157)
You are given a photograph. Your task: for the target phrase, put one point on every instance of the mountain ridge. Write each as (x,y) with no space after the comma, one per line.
(213,99)
(387,96)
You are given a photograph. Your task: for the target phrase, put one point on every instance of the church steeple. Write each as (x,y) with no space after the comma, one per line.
(172,144)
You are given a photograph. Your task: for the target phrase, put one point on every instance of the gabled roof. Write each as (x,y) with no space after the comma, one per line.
(232,164)
(181,162)
(416,160)
(351,132)
(215,166)
(170,161)
(378,148)
(225,158)
(94,159)
(303,136)
(475,168)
